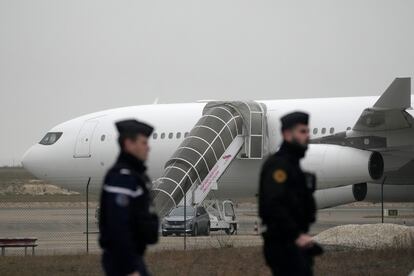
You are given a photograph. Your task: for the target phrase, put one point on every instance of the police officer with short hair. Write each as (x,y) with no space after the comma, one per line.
(126,221)
(286,203)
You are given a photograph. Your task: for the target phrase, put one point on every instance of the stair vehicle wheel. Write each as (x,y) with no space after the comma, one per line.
(231,230)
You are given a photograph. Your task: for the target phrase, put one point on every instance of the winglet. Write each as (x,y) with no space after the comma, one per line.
(397,95)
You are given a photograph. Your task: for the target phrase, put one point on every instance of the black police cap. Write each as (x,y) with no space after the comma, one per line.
(292,119)
(133,127)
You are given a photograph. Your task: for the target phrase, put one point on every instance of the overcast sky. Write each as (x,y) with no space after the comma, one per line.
(60,59)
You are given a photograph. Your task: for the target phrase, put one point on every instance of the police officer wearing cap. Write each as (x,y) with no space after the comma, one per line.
(126,222)
(286,203)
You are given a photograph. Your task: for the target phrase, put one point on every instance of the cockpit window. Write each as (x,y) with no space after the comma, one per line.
(50,138)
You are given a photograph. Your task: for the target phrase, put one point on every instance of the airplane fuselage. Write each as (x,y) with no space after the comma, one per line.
(88,146)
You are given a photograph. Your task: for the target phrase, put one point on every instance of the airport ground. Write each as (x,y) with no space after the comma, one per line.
(224,261)
(59,224)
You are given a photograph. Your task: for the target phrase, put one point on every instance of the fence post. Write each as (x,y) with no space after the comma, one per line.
(87,215)
(382,202)
(185,221)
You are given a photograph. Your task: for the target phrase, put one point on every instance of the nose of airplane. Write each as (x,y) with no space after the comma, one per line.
(34,160)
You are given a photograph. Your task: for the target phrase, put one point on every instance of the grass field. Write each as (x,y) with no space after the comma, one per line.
(224,261)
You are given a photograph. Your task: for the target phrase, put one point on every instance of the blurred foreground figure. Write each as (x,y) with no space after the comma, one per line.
(286,203)
(126,222)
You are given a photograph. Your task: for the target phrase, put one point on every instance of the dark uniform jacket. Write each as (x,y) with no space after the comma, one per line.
(286,204)
(126,224)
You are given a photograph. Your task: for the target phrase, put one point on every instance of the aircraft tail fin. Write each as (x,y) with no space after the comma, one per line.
(397,95)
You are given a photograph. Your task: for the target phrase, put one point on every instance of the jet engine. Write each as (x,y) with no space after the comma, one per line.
(341,195)
(337,166)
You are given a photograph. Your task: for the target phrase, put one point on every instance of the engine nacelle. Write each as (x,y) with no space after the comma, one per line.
(342,195)
(337,166)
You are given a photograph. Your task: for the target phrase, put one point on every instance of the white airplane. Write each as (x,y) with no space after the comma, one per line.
(215,148)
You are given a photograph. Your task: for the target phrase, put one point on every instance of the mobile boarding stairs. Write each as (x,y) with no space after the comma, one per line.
(226,130)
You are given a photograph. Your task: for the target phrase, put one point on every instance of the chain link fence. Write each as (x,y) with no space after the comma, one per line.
(65,221)
(57,218)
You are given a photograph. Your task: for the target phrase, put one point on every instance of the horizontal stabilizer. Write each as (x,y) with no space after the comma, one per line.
(397,95)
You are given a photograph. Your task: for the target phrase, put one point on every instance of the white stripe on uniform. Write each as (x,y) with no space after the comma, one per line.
(124,191)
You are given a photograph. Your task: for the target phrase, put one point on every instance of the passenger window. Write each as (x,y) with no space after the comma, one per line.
(103,137)
(186,134)
(178,135)
(348,128)
(323,130)
(154,135)
(170,135)
(162,135)
(331,130)
(315,131)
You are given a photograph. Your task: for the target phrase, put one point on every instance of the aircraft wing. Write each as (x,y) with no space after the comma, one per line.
(386,127)
(376,123)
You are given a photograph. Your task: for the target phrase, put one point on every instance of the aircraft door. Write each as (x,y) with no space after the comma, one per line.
(84,139)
